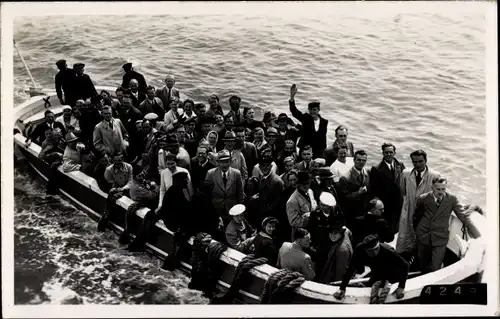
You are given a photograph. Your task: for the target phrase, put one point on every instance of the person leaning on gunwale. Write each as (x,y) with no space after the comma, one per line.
(224,164)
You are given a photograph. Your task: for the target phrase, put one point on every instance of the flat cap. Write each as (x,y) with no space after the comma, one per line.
(78,66)
(61,62)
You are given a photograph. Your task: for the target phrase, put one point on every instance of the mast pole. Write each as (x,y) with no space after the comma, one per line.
(25,65)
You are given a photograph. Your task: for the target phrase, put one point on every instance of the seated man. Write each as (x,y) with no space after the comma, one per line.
(239,231)
(385,263)
(51,152)
(292,256)
(119,176)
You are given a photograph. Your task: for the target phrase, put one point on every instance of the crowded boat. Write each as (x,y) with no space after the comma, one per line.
(272,188)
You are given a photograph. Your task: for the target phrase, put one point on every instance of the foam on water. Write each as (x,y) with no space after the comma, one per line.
(415,79)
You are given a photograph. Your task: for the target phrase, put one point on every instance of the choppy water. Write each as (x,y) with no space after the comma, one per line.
(415,79)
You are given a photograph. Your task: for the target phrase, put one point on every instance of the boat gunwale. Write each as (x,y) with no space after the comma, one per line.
(467,266)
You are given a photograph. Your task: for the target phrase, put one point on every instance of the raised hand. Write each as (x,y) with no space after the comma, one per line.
(293,91)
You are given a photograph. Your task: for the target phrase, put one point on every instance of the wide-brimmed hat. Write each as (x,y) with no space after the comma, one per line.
(303,177)
(229,136)
(237,209)
(327,199)
(223,155)
(70,137)
(269,116)
(325,173)
(172,140)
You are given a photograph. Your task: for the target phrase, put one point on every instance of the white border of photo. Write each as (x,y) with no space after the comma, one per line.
(10,10)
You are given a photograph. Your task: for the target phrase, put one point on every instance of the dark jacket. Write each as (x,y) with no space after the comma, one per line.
(309,136)
(283,228)
(156,107)
(353,204)
(385,184)
(38,134)
(203,217)
(270,190)
(387,265)
(370,224)
(134,75)
(65,82)
(84,88)
(249,152)
(175,209)
(319,228)
(89,118)
(198,172)
(263,246)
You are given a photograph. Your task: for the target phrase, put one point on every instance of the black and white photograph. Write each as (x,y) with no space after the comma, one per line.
(200,158)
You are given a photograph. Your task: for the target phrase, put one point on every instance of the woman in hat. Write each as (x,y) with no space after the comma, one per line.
(263,244)
(288,150)
(239,231)
(258,138)
(72,158)
(338,255)
(249,119)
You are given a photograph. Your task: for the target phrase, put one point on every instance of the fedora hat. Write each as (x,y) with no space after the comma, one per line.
(229,136)
(325,173)
(223,155)
(303,177)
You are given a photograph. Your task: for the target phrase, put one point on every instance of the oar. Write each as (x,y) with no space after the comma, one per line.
(25,65)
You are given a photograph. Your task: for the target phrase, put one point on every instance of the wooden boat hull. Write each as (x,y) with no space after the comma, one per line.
(83,192)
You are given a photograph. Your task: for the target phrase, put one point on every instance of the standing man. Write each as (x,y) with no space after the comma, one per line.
(293,257)
(167,92)
(130,74)
(152,104)
(340,139)
(200,166)
(137,96)
(110,136)
(385,183)
(247,149)
(84,87)
(228,186)
(314,127)
(270,188)
(431,222)
(353,189)
(65,82)
(237,158)
(300,205)
(342,164)
(414,182)
(235,112)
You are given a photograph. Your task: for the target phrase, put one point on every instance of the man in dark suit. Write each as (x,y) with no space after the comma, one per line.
(136,96)
(167,92)
(228,186)
(84,88)
(65,82)
(248,149)
(129,115)
(385,184)
(431,223)
(130,74)
(38,134)
(340,139)
(191,143)
(152,104)
(200,167)
(269,187)
(353,190)
(373,223)
(314,127)
(306,154)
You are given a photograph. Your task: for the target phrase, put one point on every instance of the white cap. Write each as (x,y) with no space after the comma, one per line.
(327,199)
(237,209)
(66,107)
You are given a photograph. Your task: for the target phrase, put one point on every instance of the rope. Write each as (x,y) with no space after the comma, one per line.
(47,103)
(131,210)
(375,296)
(207,266)
(241,274)
(280,286)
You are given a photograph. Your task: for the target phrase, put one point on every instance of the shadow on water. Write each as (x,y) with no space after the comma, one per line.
(60,258)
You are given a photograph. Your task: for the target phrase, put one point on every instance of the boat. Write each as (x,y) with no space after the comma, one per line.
(467,244)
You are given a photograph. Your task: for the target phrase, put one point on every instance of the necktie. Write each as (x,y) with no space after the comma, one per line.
(224,179)
(438,201)
(419,178)
(168,96)
(361,177)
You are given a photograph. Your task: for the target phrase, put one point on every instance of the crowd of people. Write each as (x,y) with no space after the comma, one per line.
(273,188)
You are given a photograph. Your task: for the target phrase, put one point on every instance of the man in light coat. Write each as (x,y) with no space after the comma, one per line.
(431,222)
(228,186)
(414,182)
(167,92)
(110,135)
(300,205)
